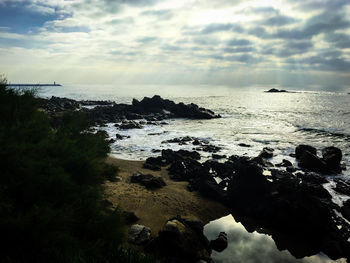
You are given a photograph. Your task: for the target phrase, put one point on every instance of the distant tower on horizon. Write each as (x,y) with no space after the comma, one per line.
(54,83)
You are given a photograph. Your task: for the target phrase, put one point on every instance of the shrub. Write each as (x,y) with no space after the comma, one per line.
(51,199)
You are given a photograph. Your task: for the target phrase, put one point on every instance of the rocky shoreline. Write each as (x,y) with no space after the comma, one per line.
(150,109)
(287,202)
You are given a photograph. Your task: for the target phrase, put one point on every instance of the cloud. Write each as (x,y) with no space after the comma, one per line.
(217,36)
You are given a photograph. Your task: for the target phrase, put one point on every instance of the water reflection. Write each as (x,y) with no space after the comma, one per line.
(251,247)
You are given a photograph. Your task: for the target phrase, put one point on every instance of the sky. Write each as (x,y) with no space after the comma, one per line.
(238,43)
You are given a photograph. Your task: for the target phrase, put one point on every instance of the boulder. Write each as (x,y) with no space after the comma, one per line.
(139,234)
(182,240)
(266,153)
(312,162)
(209,188)
(300,149)
(130,125)
(147,180)
(332,156)
(121,137)
(219,244)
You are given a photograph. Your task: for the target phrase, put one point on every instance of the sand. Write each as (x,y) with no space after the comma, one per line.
(155,207)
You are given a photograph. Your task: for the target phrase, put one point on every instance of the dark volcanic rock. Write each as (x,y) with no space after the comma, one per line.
(285,163)
(313,163)
(211,189)
(332,156)
(182,240)
(248,185)
(300,149)
(130,125)
(342,186)
(155,163)
(147,180)
(276,90)
(121,137)
(158,105)
(219,244)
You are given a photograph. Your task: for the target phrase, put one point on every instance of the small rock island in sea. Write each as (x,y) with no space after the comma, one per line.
(276,90)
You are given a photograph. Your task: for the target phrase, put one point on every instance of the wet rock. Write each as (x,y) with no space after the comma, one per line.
(121,137)
(158,105)
(332,156)
(285,163)
(147,180)
(266,153)
(219,244)
(248,185)
(171,156)
(218,156)
(211,189)
(155,163)
(129,217)
(182,240)
(342,186)
(300,149)
(139,234)
(312,162)
(208,148)
(244,145)
(130,125)
(184,170)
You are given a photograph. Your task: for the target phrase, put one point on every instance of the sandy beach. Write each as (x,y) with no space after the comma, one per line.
(155,207)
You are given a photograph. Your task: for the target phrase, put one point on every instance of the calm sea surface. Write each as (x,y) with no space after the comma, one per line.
(258,119)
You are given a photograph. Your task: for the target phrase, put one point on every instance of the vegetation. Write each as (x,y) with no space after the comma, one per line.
(51,199)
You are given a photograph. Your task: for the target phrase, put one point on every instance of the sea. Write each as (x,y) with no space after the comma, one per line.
(250,117)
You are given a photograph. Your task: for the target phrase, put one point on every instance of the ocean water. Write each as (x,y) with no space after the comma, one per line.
(277,120)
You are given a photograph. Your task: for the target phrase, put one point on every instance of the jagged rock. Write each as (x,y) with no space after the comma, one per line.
(219,244)
(130,125)
(300,149)
(139,234)
(276,91)
(332,156)
(147,180)
(342,186)
(121,137)
(312,162)
(155,163)
(158,105)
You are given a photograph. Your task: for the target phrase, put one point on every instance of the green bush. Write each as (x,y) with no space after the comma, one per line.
(51,199)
